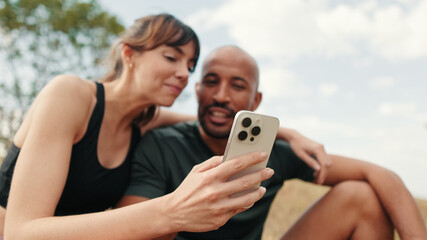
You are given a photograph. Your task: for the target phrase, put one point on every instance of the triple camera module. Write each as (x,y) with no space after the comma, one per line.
(249,131)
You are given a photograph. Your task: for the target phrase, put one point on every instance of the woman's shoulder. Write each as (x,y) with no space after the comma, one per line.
(71,83)
(69,87)
(69,91)
(66,98)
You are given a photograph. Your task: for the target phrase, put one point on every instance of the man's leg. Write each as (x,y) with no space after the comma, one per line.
(350,210)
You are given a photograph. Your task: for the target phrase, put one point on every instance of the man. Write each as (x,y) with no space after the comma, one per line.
(365,202)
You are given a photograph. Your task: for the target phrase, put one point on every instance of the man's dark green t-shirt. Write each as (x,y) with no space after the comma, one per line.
(165,156)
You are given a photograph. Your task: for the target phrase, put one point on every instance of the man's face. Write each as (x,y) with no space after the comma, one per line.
(228,85)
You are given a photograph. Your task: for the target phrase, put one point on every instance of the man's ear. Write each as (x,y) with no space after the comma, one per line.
(197,90)
(257,101)
(126,53)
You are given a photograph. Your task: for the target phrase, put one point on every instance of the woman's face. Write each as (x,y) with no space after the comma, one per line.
(162,73)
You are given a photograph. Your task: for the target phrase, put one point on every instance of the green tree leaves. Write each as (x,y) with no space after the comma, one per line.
(43,38)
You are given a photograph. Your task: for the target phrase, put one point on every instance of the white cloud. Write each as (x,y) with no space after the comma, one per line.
(279,82)
(382,82)
(201,20)
(298,28)
(328,89)
(362,62)
(399,35)
(320,128)
(397,109)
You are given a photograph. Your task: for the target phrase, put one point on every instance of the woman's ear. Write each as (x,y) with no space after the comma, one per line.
(126,53)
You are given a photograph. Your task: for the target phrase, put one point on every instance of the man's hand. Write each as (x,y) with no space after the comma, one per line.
(312,153)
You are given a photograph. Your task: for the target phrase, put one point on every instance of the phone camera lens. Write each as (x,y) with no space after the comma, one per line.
(256,130)
(246,122)
(252,139)
(242,135)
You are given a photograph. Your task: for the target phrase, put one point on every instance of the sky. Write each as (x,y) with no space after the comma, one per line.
(348,74)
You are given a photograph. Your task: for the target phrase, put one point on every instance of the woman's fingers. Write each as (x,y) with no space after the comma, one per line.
(233,166)
(242,203)
(212,162)
(247,182)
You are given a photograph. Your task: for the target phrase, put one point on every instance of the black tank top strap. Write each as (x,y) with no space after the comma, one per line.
(98,111)
(97,115)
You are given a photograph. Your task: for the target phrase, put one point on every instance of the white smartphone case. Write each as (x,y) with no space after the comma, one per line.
(253,135)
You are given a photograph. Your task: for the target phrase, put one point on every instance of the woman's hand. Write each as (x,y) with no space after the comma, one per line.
(202,202)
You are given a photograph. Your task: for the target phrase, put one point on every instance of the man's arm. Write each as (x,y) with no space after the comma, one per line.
(311,152)
(164,117)
(397,201)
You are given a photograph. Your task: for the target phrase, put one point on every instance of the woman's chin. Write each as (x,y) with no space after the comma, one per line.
(167,102)
(167,105)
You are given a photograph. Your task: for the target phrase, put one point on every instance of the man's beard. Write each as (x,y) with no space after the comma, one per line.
(213,131)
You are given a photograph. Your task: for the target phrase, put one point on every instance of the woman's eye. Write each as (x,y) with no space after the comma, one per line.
(191,69)
(170,58)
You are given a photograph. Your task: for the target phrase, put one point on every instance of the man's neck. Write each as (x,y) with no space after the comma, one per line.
(216,145)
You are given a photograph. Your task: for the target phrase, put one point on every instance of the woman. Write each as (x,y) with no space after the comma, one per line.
(72,152)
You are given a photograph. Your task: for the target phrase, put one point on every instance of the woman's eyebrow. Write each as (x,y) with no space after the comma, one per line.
(178,49)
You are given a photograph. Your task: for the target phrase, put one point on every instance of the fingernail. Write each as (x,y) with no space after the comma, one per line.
(263,154)
(316,167)
(270,172)
(262,190)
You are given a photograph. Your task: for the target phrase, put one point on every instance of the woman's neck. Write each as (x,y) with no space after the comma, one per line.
(122,103)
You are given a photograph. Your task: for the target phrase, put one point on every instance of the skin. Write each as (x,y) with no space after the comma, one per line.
(59,118)
(365,202)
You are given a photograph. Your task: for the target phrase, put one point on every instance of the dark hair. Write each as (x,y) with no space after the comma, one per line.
(148,33)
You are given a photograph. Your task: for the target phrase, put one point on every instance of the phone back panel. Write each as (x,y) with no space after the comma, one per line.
(251,132)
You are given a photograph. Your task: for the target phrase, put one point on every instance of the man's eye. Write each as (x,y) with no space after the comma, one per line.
(209,82)
(239,86)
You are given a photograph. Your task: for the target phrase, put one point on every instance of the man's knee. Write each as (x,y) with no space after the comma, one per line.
(355,192)
(360,197)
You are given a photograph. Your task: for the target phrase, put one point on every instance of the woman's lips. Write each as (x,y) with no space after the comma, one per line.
(175,89)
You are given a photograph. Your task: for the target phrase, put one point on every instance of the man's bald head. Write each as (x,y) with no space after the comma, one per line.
(232,55)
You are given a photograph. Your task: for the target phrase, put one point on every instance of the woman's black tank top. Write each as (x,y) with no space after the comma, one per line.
(89,187)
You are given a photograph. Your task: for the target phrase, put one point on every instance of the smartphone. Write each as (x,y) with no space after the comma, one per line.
(251,132)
